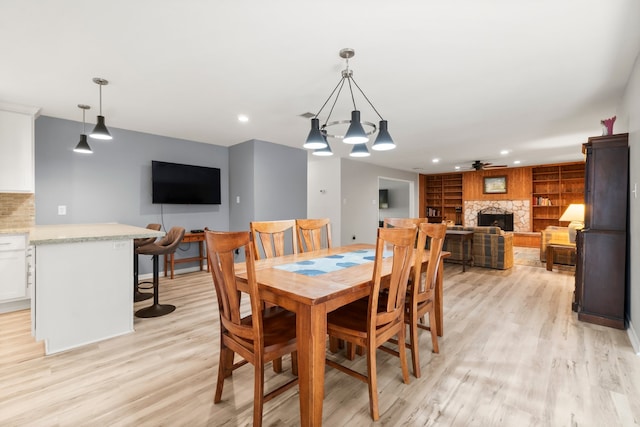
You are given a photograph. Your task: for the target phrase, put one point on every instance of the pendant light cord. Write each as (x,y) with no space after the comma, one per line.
(101,99)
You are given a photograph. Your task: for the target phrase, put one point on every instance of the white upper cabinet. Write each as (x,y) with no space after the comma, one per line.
(17,148)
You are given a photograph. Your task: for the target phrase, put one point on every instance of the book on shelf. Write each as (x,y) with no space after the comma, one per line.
(542,201)
(433,211)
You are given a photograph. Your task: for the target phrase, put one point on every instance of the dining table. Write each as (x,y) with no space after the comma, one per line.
(296,283)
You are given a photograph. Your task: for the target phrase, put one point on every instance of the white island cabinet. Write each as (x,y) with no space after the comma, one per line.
(83,283)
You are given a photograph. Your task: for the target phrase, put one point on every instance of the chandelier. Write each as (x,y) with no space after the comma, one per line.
(356,133)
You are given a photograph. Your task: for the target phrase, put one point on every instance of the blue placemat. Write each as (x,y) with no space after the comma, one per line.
(317,266)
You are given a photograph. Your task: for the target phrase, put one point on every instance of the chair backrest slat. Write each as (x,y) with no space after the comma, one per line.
(421,290)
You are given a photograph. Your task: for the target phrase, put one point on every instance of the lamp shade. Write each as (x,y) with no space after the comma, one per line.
(323,152)
(83,146)
(355,134)
(575,212)
(360,150)
(100,131)
(383,141)
(315,140)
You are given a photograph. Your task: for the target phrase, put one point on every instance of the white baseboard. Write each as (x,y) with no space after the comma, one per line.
(633,337)
(22,304)
(149,276)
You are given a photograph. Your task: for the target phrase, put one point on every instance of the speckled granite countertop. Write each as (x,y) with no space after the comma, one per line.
(67,233)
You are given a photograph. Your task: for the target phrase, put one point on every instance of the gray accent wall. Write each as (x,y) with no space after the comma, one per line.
(114,183)
(271,182)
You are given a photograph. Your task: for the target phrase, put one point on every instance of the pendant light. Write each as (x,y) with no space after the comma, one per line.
(383,141)
(323,152)
(83,145)
(360,150)
(100,131)
(356,133)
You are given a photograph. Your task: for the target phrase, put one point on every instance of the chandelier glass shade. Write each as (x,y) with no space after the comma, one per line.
(358,132)
(83,145)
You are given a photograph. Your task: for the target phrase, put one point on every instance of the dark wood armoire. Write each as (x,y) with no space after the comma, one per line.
(601,270)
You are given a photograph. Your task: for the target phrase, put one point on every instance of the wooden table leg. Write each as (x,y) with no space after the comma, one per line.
(311,328)
(439,299)
(550,258)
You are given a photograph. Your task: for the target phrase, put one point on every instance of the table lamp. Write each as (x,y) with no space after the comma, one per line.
(574,214)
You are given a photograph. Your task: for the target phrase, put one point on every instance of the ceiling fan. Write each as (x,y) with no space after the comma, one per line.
(480,165)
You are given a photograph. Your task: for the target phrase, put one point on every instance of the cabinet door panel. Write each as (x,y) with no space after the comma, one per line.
(606,188)
(13,271)
(603,265)
(16,152)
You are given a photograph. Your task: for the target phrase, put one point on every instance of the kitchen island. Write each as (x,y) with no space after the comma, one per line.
(83,288)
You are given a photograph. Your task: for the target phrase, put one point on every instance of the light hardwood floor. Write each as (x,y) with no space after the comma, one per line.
(513,354)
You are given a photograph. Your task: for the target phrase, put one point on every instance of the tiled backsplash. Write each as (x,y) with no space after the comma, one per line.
(17,210)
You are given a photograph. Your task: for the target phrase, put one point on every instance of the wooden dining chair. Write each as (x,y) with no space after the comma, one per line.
(421,292)
(369,324)
(312,232)
(258,338)
(270,235)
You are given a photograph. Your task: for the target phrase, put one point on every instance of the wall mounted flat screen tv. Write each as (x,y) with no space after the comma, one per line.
(173,183)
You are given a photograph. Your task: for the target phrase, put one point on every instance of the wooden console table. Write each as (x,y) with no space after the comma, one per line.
(552,246)
(170,260)
(464,237)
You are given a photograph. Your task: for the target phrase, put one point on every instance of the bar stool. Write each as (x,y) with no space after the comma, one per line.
(137,295)
(167,245)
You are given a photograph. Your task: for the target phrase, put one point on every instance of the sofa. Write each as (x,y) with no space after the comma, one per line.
(557,235)
(492,247)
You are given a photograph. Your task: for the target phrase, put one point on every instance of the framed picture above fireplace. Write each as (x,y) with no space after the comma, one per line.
(495,185)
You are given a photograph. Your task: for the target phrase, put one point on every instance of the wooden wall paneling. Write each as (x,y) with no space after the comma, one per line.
(518,184)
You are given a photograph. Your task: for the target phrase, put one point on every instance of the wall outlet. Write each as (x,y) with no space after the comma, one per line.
(62,210)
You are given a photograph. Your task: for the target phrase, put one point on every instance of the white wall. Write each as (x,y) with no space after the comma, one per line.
(629,117)
(323,192)
(359,191)
(399,199)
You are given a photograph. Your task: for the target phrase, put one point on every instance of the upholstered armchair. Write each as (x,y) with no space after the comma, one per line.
(557,235)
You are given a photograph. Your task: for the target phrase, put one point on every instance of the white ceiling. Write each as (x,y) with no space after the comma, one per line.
(459,80)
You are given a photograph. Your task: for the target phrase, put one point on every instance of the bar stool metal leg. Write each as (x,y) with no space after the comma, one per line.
(137,295)
(157,309)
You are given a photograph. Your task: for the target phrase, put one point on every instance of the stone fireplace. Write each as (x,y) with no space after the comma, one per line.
(521,210)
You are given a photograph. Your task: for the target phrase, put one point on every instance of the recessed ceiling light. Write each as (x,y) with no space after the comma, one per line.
(457,168)
(436,160)
(504,152)
(242,118)
(516,162)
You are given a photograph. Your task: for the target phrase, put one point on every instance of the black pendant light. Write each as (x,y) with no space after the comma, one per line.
(83,145)
(100,131)
(356,133)
(383,141)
